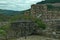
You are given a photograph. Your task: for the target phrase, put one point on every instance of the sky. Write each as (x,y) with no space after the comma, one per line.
(17,5)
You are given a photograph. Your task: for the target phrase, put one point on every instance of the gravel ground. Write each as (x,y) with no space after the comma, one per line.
(35,37)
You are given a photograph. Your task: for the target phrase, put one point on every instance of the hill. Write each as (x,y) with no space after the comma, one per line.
(52,1)
(49,1)
(10,12)
(9,15)
(4,17)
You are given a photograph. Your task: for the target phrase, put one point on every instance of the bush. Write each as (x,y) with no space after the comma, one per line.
(40,23)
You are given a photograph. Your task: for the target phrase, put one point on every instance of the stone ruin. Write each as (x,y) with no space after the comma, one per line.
(22,28)
(50,17)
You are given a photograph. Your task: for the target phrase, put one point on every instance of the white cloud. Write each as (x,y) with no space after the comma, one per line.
(17,4)
(3,2)
(32,1)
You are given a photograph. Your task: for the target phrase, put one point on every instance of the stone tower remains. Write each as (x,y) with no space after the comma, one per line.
(50,17)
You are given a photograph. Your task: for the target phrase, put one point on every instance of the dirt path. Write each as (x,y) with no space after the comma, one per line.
(36,38)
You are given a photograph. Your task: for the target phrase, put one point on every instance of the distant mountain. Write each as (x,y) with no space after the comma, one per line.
(52,1)
(49,1)
(10,12)
(6,15)
(42,2)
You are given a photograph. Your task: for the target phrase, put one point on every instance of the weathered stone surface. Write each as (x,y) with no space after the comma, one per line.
(50,17)
(35,37)
(23,28)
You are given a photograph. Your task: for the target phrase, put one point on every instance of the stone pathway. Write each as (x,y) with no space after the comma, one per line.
(36,38)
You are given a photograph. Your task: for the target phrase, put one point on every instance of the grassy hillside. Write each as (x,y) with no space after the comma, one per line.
(4,17)
(7,15)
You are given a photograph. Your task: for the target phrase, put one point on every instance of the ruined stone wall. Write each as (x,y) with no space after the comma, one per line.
(36,10)
(49,17)
(45,15)
(22,28)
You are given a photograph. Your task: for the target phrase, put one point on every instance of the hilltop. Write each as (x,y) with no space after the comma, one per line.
(49,1)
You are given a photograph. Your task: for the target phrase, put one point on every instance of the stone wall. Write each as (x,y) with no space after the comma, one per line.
(49,17)
(38,9)
(22,28)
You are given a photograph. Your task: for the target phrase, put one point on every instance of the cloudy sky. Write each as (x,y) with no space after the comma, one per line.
(17,4)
